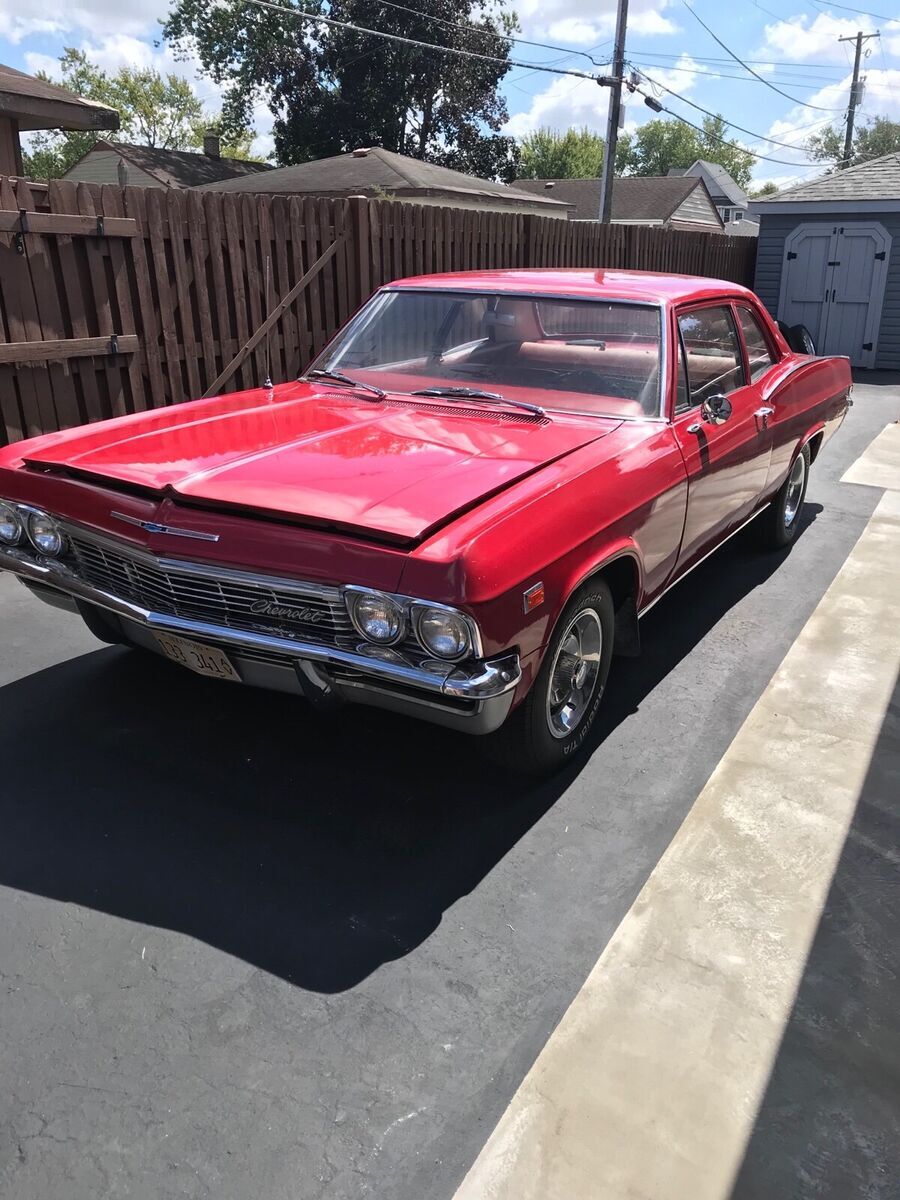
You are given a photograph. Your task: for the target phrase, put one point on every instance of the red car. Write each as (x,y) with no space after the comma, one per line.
(459,513)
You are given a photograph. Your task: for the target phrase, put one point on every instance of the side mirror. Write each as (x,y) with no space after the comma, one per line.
(716,409)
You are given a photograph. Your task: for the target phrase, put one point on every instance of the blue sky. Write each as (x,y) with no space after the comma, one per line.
(797,50)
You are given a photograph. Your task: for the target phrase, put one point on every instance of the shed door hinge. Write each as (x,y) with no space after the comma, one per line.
(867,345)
(792,254)
(880,256)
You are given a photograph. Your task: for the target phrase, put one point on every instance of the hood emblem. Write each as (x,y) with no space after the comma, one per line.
(171,530)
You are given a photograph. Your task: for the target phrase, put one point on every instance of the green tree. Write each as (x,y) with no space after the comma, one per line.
(766,189)
(331,90)
(547,154)
(662,144)
(870,140)
(154,110)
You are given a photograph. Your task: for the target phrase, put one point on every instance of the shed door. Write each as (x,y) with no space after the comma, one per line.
(833,283)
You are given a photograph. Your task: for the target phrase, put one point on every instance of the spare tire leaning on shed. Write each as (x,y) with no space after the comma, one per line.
(798,338)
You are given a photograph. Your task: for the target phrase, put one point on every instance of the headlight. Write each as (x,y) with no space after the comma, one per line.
(443,633)
(10,524)
(46,536)
(377,617)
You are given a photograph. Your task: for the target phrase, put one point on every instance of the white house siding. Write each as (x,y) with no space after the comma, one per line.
(774,229)
(698,209)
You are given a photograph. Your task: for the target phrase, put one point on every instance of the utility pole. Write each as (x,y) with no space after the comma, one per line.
(615,108)
(855,94)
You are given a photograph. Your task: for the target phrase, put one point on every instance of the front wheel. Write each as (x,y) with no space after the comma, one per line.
(551,725)
(779,525)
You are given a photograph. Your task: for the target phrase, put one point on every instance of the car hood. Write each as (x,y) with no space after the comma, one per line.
(397,468)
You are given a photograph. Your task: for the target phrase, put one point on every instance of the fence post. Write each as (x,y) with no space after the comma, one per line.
(527,239)
(361,250)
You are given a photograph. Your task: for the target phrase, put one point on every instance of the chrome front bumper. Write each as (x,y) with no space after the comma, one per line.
(472,697)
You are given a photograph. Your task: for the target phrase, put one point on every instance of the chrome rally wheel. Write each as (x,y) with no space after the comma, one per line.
(796,486)
(778,526)
(574,674)
(552,724)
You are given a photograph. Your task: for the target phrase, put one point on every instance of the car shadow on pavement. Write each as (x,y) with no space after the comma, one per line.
(314,848)
(829,1123)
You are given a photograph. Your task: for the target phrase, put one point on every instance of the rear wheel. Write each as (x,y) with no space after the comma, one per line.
(779,525)
(552,724)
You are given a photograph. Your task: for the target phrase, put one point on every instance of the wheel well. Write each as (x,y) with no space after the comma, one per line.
(815,445)
(622,578)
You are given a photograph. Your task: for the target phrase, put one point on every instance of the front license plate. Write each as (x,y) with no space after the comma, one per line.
(205,660)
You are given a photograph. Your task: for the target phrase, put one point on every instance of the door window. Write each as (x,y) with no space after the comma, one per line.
(759,356)
(712,352)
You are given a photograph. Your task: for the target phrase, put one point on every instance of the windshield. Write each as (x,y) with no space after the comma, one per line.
(584,356)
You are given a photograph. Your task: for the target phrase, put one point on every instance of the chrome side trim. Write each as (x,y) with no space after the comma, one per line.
(702,560)
(477,680)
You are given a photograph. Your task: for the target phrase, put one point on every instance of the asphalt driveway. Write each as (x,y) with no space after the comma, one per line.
(247,951)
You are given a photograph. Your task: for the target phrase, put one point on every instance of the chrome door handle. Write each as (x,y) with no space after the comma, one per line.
(764,412)
(695,428)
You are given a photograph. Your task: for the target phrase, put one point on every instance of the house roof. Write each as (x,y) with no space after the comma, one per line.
(181,168)
(635,197)
(743,228)
(374,169)
(878,179)
(35,104)
(724,185)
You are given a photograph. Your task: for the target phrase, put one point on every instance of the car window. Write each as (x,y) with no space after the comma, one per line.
(601,358)
(759,356)
(714,362)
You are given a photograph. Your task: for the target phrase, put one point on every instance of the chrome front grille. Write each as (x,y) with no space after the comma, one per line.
(199,593)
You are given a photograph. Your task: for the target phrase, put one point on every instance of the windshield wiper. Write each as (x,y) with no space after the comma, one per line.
(464,393)
(340,377)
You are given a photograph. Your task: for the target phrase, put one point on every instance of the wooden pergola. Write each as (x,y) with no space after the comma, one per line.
(28,103)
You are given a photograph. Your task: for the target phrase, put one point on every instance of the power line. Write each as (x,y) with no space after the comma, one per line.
(731,124)
(739,78)
(758,62)
(756,74)
(504,37)
(406,41)
(657,107)
(862,11)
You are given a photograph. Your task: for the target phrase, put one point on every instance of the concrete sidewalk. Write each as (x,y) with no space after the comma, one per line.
(714,1051)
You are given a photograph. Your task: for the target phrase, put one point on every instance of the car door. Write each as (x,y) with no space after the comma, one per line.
(727,463)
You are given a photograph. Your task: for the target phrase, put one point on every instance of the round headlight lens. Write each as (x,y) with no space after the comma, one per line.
(378,618)
(45,534)
(10,524)
(444,634)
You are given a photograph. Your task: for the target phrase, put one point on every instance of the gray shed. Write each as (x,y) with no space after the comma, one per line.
(829,259)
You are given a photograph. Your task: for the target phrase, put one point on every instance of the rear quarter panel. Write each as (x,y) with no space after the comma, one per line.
(810,396)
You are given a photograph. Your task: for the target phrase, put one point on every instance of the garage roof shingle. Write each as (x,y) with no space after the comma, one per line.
(878,179)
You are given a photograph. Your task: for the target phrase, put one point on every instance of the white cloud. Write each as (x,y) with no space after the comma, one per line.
(567,102)
(802,39)
(23,18)
(124,50)
(588,22)
(890,37)
(681,77)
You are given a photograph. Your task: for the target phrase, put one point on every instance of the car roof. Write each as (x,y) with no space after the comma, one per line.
(647,286)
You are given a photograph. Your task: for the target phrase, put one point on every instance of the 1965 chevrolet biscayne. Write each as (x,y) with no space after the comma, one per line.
(459,513)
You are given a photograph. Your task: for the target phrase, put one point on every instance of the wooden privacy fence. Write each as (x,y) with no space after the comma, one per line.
(116,300)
